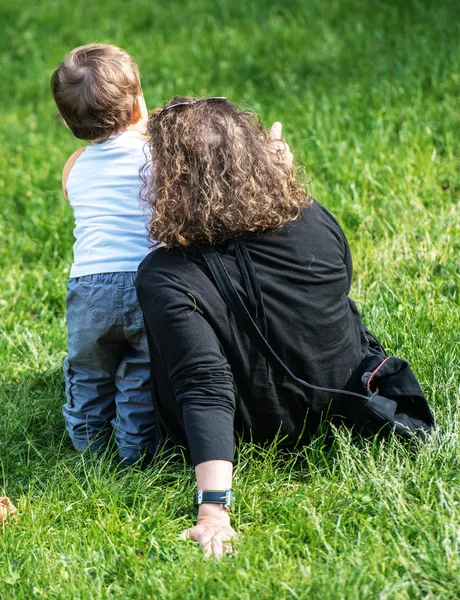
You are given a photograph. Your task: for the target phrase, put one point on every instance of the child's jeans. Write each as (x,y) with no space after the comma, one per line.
(107,369)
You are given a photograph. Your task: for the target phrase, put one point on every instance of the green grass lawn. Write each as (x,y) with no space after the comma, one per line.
(369,95)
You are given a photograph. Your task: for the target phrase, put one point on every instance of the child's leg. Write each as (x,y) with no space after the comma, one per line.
(93,357)
(135,431)
(134,426)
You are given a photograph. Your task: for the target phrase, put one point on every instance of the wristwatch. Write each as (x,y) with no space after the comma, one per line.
(225,497)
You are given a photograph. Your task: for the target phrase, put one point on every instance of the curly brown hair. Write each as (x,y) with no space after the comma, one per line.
(215,174)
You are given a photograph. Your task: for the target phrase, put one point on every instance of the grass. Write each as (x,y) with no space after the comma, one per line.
(368,93)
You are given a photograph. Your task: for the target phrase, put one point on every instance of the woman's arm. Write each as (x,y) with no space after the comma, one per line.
(203,387)
(213,530)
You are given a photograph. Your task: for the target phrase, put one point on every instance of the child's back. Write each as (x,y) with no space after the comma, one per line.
(107,368)
(103,189)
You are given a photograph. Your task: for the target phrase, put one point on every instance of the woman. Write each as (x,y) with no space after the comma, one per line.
(219,183)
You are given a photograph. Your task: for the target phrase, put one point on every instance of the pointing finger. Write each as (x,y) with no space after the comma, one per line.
(276,131)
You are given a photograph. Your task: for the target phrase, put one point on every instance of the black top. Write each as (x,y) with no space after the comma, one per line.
(208,379)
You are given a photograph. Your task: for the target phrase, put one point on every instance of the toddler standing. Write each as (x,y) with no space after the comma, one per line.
(98,92)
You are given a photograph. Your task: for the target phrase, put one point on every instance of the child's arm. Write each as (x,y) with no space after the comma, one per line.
(67,168)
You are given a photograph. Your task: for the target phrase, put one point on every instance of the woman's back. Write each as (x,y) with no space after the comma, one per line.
(304,272)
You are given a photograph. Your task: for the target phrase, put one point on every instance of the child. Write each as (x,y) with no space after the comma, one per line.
(98,92)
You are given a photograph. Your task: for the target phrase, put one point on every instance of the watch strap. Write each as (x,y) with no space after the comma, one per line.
(225,497)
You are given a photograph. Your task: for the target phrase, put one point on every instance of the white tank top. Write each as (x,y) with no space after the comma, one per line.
(110,223)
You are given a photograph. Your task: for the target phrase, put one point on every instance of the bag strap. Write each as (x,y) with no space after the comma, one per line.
(235,303)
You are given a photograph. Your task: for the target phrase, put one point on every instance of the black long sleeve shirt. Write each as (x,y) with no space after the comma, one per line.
(208,379)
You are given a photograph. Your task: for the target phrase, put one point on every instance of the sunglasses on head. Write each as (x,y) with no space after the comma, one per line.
(191,102)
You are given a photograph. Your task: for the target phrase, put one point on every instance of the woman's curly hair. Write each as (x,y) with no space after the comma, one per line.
(215,174)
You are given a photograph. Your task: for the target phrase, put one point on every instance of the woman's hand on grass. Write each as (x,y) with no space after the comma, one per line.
(213,531)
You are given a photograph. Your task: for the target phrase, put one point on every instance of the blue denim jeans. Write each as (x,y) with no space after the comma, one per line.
(107,369)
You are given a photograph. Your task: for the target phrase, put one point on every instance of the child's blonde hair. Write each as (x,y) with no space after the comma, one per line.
(95,89)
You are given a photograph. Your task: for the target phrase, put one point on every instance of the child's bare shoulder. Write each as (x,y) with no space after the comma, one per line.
(68,167)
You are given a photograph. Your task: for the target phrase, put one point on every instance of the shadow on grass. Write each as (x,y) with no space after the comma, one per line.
(32,433)
(35,447)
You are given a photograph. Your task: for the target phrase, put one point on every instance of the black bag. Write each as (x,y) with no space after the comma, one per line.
(382,394)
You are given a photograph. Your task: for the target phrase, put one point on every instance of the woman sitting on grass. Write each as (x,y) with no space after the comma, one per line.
(227,206)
